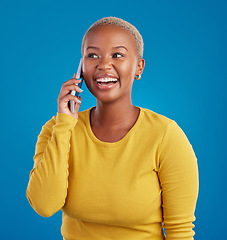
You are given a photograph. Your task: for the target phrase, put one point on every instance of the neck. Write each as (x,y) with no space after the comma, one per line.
(114,115)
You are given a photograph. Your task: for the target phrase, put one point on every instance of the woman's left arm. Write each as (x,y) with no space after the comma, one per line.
(178,175)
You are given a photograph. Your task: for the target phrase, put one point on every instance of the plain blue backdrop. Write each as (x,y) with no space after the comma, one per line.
(184,79)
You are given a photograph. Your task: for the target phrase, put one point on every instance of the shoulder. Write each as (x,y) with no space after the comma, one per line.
(153,126)
(155,120)
(171,138)
(84,116)
(159,125)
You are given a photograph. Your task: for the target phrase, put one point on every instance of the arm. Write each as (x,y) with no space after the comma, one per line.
(178,174)
(47,187)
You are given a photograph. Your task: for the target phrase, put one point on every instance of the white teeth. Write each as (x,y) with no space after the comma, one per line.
(106,80)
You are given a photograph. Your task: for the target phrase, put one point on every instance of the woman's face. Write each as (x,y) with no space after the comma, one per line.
(110,63)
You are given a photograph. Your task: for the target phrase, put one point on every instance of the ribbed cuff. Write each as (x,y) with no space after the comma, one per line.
(65,121)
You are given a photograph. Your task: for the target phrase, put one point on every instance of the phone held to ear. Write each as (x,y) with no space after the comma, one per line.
(79,75)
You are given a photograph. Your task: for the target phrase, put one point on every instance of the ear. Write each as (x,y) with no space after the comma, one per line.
(140,66)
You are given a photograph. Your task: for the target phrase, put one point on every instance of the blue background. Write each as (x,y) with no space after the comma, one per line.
(184,79)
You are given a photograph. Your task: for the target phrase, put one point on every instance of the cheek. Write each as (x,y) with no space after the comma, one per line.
(87,71)
(85,68)
(128,69)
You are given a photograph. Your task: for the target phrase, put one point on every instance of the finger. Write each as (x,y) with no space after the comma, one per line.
(78,104)
(69,89)
(69,85)
(70,97)
(75,87)
(70,81)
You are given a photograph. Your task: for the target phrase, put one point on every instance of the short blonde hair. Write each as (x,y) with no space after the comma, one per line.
(120,23)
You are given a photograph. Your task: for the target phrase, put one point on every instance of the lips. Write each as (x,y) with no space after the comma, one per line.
(105,81)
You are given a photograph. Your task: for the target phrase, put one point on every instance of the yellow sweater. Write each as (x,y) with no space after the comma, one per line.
(122,190)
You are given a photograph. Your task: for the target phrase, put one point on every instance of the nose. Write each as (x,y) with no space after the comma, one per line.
(104,64)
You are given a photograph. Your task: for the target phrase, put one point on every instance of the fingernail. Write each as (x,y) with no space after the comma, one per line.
(81,90)
(79,101)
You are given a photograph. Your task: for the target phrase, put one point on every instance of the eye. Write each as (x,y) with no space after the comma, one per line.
(117,55)
(92,55)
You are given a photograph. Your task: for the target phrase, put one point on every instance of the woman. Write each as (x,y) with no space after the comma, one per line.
(116,171)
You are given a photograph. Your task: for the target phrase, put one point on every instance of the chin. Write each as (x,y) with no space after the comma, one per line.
(107,99)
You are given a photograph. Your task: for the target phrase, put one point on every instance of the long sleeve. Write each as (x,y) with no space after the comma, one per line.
(47,187)
(178,175)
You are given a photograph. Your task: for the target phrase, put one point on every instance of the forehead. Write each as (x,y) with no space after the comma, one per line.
(110,36)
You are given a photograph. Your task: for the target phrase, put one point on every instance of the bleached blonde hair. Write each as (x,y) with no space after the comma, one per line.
(120,23)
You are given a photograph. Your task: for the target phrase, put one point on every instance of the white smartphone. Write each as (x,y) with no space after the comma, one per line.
(79,75)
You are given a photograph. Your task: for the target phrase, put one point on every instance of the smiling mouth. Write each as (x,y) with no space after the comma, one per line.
(106,81)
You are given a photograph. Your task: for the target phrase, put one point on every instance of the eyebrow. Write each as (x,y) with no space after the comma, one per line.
(93,47)
(121,47)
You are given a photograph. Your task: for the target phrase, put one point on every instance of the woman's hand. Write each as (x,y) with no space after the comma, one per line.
(65,96)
